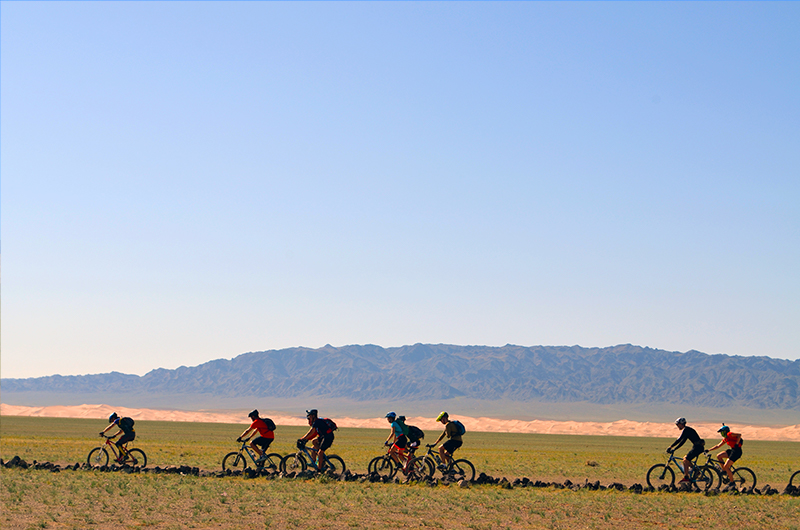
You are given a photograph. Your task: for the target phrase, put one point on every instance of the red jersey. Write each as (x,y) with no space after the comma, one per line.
(733,439)
(262,428)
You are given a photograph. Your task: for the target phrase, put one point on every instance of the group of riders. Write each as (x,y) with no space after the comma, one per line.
(403,439)
(727,457)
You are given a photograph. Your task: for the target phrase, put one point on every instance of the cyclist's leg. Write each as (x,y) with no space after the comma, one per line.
(323,444)
(733,455)
(121,443)
(687,460)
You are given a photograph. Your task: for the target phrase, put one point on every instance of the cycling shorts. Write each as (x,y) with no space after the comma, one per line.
(401,442)
(125,438)
(734,454)
(262,442)
(696,451)
(451,445)
(325,441)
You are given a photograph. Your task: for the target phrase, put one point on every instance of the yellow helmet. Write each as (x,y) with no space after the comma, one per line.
(441,415)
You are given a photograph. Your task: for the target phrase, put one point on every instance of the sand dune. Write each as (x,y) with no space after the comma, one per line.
(789,433)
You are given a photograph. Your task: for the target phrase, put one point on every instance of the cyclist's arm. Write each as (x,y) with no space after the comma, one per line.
(312,433)
(716,446)
(392,437)
(439,439)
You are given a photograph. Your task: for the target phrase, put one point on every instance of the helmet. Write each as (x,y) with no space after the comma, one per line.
(680,421)
(441,415)
(112,417)
(253,414)
(391,415)
(312,412)
(724,429)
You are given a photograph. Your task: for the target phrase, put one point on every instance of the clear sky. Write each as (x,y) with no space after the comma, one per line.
(188,181)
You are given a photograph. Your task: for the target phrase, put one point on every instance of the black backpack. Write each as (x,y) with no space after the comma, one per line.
(126,424)
(331,424)
(270,423)
(415,434)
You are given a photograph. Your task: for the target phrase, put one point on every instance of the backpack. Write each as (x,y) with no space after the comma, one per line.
(270,423)
(415,434)
(461,429)
(401,420)
(126,424)
(331,424)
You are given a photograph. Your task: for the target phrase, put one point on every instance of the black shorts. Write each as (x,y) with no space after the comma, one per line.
(325,441)
(735,453)
(451,445)
(696,451)
(125,438)
(263,443)
(401,441)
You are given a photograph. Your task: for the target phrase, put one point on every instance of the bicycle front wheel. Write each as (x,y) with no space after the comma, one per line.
(462,470)
(744,478)
(660,474)
(334,463)
(234,461)
(137,458)
(383,466)
(272,462)
(292,462)
(706,478)
(98,457)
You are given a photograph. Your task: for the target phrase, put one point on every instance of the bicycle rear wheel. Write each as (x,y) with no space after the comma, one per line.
(659,475)
(420,468)
(136,457)
(292,462)
(462,470)
(706,477)
(795,476)
(744,478)
(234,461)
(334,463)
(272,462)
(97,457)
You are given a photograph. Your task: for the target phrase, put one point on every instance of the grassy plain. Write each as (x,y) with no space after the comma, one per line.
(79,499)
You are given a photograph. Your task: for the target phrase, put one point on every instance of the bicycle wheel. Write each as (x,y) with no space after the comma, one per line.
(744,478)
(706,477)
(272,462)
(136,457)
(419,468)
(234,461)
(383,466)
(334,463)
(462,470)
(293,462)
(98,457)
(660,474)
(795,476)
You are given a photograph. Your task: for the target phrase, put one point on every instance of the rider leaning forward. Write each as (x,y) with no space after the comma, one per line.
(698,446)
(453,442)
(265,435)
(729,456)
(321,432)
(125,426)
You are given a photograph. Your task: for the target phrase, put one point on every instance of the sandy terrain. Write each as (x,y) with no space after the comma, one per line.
(617,428)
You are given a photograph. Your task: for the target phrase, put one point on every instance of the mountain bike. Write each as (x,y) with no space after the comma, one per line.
(455,470)
(99,455)
(302,459)
(703,477)
(743,477)
(385,466)
(238,459)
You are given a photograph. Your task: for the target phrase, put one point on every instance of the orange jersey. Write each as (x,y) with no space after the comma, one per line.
(262,428)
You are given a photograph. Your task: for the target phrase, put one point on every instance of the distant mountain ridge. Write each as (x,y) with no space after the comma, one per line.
(618,374)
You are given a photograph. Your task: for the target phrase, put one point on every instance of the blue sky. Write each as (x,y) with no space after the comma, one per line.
(189,181)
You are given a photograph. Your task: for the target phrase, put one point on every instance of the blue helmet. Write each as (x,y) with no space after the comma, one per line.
(391,415)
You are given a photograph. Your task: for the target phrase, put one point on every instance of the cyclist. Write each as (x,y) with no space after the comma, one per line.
(729,456)
(321,432)
(125,426)
(698,445)
(398,435)
(453,442)
(265,435)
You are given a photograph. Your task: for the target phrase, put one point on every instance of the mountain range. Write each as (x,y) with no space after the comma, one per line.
(623,374)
